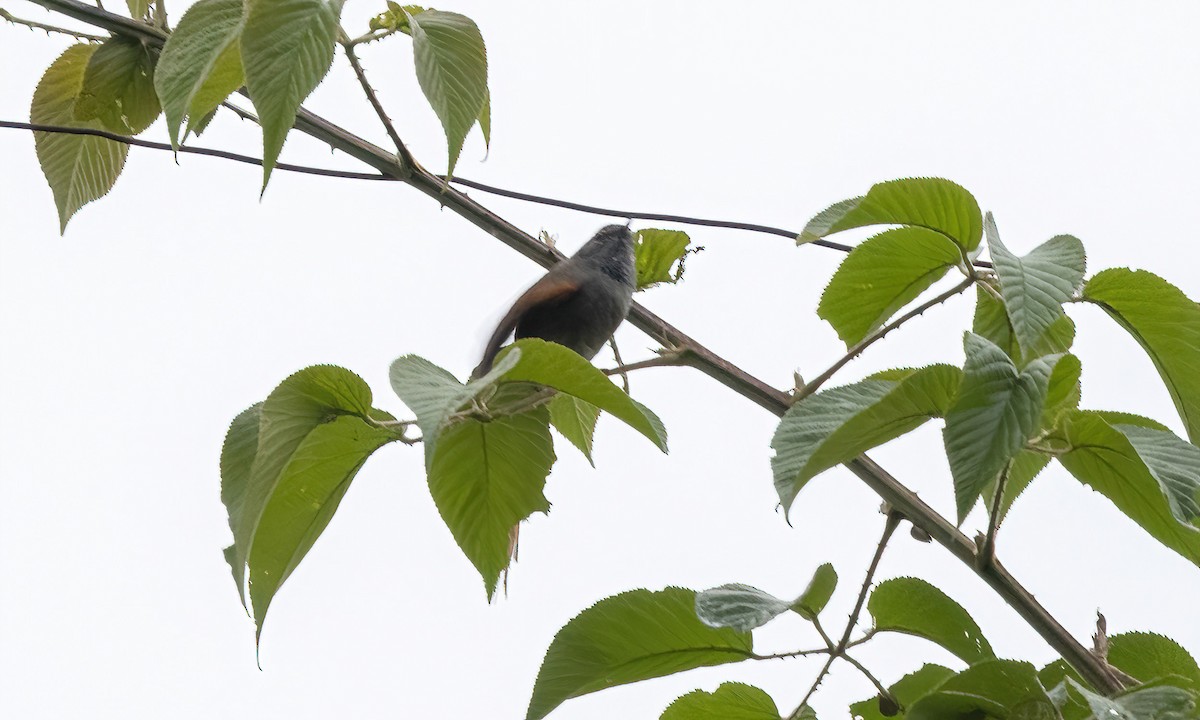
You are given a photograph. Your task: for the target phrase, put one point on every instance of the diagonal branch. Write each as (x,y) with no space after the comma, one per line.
(776,401)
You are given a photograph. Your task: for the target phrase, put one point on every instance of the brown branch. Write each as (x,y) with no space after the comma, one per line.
(898,496)
(406,159)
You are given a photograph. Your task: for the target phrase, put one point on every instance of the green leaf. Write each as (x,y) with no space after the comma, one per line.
(1149,474)
(487,477)
(299,407)
(79,168)
(738,606)
(996,411)
(395,18)
(287,47)
(118,87)
(237,457)
(991,688)
(658,255)
(201,64)
(564,370)
(730,701)
(575,419)
(835,425)
(451,64)
(485,120)
(138,10)
(1167,325)
(991,321)
(913,606)
(306,495)
(814,598)
(432,393)
(1148,656)
(634,636)
(932,203)
(906,691)
(881,275)
(1035,286)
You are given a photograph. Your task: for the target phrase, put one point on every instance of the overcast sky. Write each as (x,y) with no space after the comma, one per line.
(169,306)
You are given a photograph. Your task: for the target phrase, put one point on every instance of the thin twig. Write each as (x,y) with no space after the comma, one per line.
(871,339)
(867,673)
(372,36)
(612,341)
(839,650)
(211,152)
(406,159)
(988,552)
(34,25)
(667,359)
(792,654)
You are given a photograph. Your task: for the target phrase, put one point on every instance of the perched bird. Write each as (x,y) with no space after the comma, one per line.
(578,303)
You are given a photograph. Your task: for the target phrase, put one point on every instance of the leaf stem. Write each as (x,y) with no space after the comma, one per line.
(407,163)
(34,25)
(988,552)
(871,339)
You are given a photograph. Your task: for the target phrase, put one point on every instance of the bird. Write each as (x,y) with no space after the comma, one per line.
(578,303)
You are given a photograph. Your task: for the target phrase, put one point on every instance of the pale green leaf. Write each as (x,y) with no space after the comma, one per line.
(906,691)
(1036,285)
(138,9)
(451,64)
(560,368)
(835,425)
(881,275)
(914,607)
(634,636)
(201,64)
(79,168)
(738,606)
(287,47)
(730,701)
(1149,474)
(575,419)
(485,477)
(996,411)
(118,87)
(658,255)
(932,203)
(1167,325)
(1145,703)
(820,588)
(485,120)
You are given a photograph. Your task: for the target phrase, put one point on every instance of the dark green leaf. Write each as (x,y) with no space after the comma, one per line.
(1167,325)
(835,425)
(634,636)
(1147,656)
(881,275)
(485,477)
(907,690)
(932,203)
(287,47)
(560,368)
(730,701)
(575,419)
(201,64)
(656,254)
(118,87)
(1149,474)
(996,411)
(738,606)
(451,64)
(79,168)
(814,598)
(1035,286)
(913,606)
(995,688)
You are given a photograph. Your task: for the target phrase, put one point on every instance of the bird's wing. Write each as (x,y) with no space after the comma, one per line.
(549,289)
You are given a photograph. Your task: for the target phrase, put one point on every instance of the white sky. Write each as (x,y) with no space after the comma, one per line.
(180,299)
